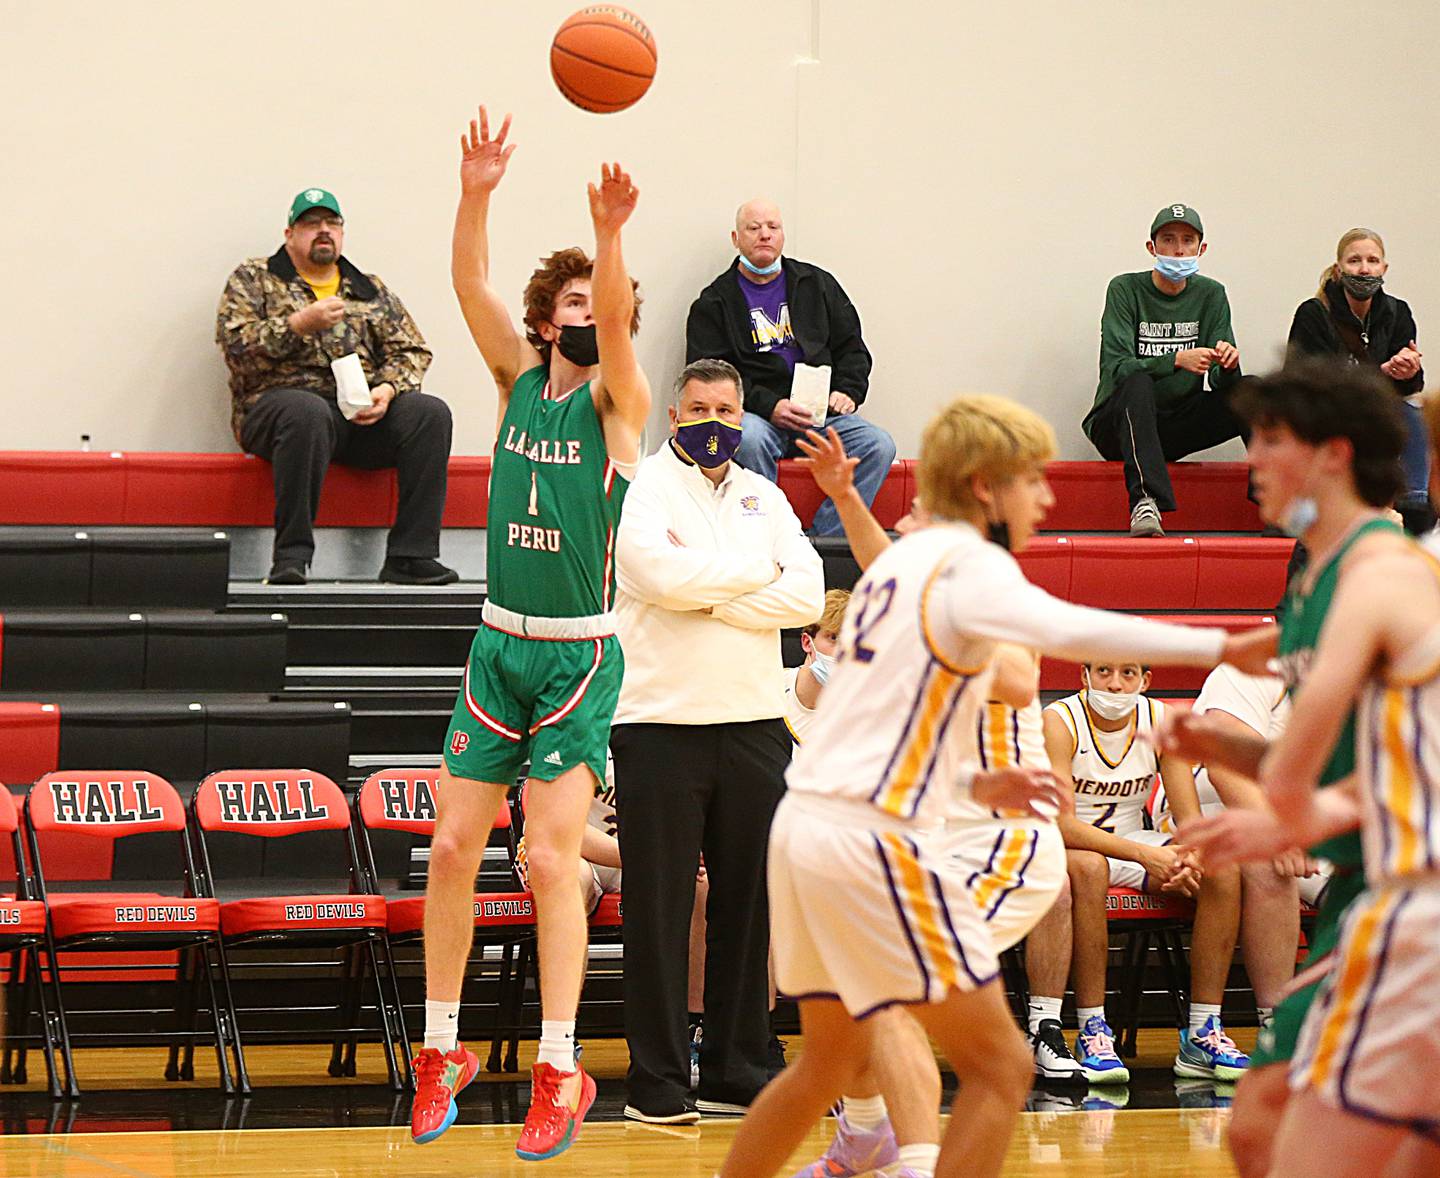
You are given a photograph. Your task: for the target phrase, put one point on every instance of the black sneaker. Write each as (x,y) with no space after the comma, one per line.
(682,1112)
(287,572)
(723,1108)
(775,1057)
(1053,1059)
(416,570)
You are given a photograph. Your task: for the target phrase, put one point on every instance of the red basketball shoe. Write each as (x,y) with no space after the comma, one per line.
(438,1080)
(552,1124)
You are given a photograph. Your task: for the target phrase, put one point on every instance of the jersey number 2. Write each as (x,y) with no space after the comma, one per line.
(874,604)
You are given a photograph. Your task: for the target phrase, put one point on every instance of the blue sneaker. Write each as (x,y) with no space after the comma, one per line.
(1210,1054)
(1095,1045)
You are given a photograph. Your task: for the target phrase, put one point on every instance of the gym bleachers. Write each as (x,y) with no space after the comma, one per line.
(127,637)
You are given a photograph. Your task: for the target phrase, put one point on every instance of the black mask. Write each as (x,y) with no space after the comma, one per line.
(998,533)
(1362,286)
(577,344)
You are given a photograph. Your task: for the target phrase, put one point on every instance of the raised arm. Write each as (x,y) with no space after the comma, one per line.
(834,474)
(622,394)
(482,166)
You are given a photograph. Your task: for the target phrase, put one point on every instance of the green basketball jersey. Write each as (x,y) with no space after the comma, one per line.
(555,501)
(1300,627)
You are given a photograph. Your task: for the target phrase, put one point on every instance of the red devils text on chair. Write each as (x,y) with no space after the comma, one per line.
(22,932)
(113,805)
(403,801)
(241,816)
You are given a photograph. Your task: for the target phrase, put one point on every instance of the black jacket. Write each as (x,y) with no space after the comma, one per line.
(824,320)
(1316,331)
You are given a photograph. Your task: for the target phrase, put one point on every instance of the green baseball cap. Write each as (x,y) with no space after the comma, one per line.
(313,198)
(1172,213)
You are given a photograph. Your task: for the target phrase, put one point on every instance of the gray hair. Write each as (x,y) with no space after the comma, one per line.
(707,372)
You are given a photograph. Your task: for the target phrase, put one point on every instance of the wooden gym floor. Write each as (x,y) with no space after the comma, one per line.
(1076,1135)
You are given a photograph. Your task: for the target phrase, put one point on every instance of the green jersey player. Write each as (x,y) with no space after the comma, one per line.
(544,672)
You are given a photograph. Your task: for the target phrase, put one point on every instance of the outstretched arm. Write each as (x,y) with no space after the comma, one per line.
(834,474)
(622,394)
(482,166)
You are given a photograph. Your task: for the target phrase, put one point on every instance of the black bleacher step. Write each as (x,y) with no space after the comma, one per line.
(183,737)
(156,567)
(85,649)
(125,568)
(385,644)
(44,567)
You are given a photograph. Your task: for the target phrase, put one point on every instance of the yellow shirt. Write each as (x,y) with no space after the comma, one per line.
(326,290)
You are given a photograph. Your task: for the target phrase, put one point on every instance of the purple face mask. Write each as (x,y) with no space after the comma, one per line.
(709,442)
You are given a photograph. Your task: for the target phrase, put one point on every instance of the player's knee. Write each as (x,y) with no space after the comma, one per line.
(1222,886)
(1088,872)
(1261,880)
(547,868)
(455,854)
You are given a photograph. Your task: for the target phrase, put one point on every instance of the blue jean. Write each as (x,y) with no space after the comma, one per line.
(1414,458)
(762,445)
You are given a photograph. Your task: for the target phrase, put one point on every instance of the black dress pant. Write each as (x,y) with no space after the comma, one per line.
(1128,427)
(680,790)
(301,432)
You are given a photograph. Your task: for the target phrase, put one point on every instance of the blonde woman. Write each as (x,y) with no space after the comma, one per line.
(1352,315)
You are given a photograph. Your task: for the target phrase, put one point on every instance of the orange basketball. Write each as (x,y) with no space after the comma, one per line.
(603,58)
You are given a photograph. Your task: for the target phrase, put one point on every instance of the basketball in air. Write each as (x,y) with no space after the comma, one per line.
(603,58)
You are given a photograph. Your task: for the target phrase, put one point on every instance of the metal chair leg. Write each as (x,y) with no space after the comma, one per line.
(232,1016)
(502,1003)
(227,1080)
(382,1004)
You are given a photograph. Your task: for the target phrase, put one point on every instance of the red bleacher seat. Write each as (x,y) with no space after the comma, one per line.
(1122,573)
(467,497)
(1241,573)
(1048,561)
(608,912)
(29,741)
(891,501)
(1209,497)
(1060,675)
(218,490)
(48,487)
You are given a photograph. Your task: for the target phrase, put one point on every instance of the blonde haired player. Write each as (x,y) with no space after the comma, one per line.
(866,913)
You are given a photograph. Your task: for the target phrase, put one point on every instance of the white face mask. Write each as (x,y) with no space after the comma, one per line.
(1111,705)
(820,666)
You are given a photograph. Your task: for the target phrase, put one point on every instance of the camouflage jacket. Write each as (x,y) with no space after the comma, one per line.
(262,352)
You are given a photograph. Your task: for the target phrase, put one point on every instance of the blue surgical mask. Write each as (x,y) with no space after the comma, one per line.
(763,271)
(821,666)
(1300,516)
(1177,269)
(709,442)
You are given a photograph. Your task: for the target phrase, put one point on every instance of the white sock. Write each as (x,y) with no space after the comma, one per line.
(442,1025)
(1199,1012)
(1043,1008)
(557,1044)
(920,1158)
(866,1113)
(1084,1013)
(1267,1015)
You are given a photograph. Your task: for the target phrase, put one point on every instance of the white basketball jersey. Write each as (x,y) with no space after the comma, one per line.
(1113,772)
(1260,702)
(1011,736)
(1398,755)
(797,716)
(898,718)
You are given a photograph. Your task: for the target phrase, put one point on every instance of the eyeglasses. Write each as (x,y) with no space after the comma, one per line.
(330,222)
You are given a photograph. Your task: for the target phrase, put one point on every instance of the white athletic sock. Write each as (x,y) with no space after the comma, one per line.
(1084,1013)
(865,1113)
(557,1044)
(920,1158)
(1267,1015)
(1199,1012)
(1043,1008)
(442,1025)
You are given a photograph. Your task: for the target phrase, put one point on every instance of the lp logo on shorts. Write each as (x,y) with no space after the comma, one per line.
(458,743)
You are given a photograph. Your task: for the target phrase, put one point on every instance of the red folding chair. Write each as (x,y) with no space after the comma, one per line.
(22,932)
(117,805)
(1143,920)
(271,912)
(403,801)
